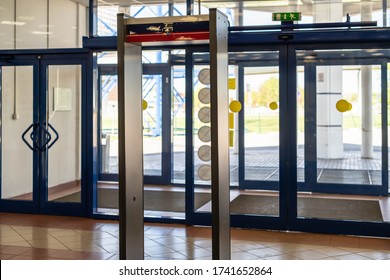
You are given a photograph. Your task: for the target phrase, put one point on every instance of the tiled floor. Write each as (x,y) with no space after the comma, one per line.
(26,237)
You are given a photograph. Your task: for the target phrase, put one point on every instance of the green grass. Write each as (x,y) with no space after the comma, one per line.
(258,124)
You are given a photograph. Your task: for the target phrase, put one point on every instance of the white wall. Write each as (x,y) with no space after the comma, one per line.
(42,24)
(6,30)
(63,29)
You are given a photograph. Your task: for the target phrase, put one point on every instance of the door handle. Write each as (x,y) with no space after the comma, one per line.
(33,137)
(47,137)
(37,129)
(57,136)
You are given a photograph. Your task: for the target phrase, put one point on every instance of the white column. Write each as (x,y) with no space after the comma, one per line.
(366,80)
(329,91)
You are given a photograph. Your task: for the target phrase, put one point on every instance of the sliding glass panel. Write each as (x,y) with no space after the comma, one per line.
(152,115)
(16,88)
(109,124)
(178,125)
(347,130)
(261,123)
(301,124)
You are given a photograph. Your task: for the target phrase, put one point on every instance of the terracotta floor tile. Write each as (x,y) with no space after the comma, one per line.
(242,256)
(97,256)
(160,250)
(309,255)
(374,243)
(265,252)
(197,253)
(181,247)
(332,251)
(68,255)
(6,256)
(282,257)
(245,246)
(110,248)
(352,257)
(14,250)
(6,240)
(375,255)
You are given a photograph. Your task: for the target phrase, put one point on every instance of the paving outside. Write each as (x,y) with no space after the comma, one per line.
(263,164)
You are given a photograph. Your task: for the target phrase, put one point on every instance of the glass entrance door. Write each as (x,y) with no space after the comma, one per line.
(41,132)
(255,132)
(345,145)
(19,123)
(63,121)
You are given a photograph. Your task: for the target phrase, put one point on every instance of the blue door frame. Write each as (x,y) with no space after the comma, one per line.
(40,60)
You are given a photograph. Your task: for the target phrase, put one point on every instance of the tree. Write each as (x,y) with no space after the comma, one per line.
(268,92)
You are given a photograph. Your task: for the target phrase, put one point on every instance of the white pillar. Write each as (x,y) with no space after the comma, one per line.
(329,91)
(366,80)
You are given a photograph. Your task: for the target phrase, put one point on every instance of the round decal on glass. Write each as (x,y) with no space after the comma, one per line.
(204,76)
(204,115)
(204,153)
(204,95)
(204,172)
(204,134)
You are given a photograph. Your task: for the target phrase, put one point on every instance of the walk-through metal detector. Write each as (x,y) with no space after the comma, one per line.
(133,33)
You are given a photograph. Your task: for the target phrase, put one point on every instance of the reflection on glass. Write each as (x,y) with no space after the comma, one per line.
(109,124)
(178,124)
(16,156)
(152,116)
(261,123)
(349,139)
(64,115)
(301,124)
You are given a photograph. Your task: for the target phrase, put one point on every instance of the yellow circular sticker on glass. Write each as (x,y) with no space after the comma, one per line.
(273,106)
(349,106)
(342,105)
(144,104)
(235,106)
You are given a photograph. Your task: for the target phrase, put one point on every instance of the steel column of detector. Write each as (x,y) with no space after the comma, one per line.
(219,94)
(131,202)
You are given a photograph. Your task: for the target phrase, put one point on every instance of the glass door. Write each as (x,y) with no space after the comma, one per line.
(19,135)
(256,200)
(157,125)
(41,133)
(343,182)
(64,187)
